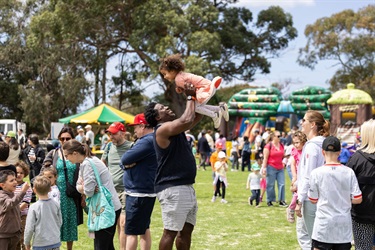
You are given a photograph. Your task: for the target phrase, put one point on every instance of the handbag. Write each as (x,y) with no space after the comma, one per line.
(71,190)
(101,212)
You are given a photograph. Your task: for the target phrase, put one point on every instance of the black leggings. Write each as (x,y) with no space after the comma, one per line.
(217,191)
(104,238)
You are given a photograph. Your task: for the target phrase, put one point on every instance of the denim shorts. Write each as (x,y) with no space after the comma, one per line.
(178,206)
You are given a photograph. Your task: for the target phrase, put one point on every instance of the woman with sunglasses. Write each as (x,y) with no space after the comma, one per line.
(71,210)
(273,167)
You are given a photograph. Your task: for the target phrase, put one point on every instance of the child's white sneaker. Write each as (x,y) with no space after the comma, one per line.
(225,113)
(217,119)
(217,81)
(213,198)
(223,201)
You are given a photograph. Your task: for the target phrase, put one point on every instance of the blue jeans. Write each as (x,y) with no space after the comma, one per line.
(288,168)
(272,175)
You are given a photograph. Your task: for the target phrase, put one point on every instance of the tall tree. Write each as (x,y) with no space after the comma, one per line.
(348,38)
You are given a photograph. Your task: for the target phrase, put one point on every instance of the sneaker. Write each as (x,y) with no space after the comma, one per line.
(225,113)
(290,215)
(269,204)
(213,198)
(223,201)
(217,81)
(283,204)
(217,119)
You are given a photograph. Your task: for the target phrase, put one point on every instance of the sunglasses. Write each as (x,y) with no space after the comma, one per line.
(278,136)
(65,138)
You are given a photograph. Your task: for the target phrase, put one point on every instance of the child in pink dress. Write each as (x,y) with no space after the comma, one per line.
(172,68)
(299,140)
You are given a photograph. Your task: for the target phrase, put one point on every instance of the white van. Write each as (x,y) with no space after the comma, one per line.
(11,125)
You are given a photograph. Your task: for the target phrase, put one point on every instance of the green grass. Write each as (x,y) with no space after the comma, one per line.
(235,225)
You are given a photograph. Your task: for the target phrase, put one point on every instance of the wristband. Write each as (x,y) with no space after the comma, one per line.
(191,98)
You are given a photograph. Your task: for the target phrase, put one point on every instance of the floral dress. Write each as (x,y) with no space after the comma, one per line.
(69,230)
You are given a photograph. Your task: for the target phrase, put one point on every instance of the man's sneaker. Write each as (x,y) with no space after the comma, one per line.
(283,204)
(225,113)
(217,81)
(217,119)
(269,204)
(223,201)
(290,215)
(213,198)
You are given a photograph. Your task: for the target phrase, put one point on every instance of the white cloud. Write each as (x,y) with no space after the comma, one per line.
(281,3)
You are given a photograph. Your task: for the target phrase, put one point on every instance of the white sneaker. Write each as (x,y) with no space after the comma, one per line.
(224,110)
(223,201)
(217,119)
(213,199)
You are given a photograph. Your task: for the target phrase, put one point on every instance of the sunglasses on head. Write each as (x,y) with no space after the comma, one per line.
(65,138)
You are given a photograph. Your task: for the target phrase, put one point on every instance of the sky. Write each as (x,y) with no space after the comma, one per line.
(304,12)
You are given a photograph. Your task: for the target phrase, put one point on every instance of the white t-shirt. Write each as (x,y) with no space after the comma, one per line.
(54,194)
(333,186)
(254,180)
(90,135)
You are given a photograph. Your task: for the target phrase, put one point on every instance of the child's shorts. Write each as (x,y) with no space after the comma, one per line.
(263,183)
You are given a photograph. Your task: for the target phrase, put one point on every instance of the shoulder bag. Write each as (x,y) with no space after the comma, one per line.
(101,212)
(71,190)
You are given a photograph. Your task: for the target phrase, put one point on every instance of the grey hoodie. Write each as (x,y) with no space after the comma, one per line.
(311,158)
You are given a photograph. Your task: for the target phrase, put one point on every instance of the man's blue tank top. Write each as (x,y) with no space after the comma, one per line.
(176,163)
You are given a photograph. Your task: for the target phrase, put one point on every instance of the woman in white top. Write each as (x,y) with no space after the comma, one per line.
(316,128)
(77,152)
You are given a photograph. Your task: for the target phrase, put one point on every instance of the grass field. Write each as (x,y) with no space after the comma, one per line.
(234,225)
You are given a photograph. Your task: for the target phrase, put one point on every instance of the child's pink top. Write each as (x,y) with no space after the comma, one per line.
(296,154)
(203,86)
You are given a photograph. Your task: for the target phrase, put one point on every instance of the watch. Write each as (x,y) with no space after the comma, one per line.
(298,202)
(190,98)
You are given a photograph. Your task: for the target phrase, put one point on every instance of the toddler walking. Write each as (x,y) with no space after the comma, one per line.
(51,174)
(44,219)
(253,182)
(172,68)
(221,168)
(22,172)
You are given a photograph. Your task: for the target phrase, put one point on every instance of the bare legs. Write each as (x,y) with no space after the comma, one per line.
(145,241)
(183,240)
(69,245)
(121,231)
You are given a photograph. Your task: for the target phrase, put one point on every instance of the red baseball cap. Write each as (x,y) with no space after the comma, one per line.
(116,127)
(139,119)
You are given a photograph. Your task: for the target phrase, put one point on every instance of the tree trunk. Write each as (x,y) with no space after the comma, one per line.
(104,79)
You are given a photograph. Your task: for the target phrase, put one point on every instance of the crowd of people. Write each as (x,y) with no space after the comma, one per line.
(333,187)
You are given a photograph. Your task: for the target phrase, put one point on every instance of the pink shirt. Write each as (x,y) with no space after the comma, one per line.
(275,157)
(296,154)
(203,87)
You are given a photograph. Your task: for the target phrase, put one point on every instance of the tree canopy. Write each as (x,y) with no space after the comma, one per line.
(348,38)
(57,51)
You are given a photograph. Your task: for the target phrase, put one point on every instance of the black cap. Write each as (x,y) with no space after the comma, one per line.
(332,144)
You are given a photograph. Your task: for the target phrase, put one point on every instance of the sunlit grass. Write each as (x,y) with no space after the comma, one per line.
(235,225)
